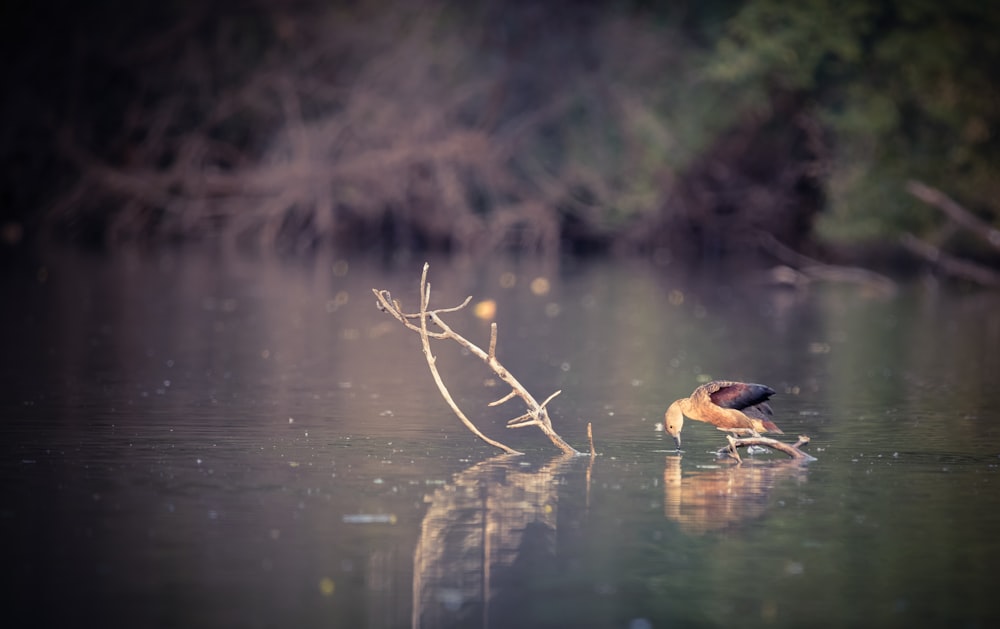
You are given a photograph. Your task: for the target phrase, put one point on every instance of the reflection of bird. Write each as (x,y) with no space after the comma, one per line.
(728,497)
(736,407)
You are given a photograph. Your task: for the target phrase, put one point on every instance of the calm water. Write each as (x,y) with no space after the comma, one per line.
(188,442)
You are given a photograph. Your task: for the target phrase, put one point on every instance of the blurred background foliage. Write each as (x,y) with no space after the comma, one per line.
(680,129)
(905,89)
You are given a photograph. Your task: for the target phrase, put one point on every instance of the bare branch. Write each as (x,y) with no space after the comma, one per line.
(425,292)
(549,399)
(454,308)
(387,304)
(731,450)
(505,398)
(954,211)
(811,269)
(793,450)
(950,264)
(536,414)
(524,420)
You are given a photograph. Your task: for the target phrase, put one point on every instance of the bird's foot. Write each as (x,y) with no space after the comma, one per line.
(748,433)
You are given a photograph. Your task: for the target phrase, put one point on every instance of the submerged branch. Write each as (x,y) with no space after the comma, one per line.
(793,450)
(536,414)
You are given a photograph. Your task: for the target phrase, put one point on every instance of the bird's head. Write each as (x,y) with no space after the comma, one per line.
(673,422)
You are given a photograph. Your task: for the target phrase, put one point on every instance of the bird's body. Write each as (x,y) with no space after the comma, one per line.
(736,407)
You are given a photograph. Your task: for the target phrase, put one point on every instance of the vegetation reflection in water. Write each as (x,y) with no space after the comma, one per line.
(473,532)
(488,528)
(201,503)
(723,498)
(751,543)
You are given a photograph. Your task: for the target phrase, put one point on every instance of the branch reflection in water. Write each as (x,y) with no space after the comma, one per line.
(476,529)
(717,499)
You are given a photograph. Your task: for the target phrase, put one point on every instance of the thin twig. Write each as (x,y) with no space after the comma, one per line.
(590,438)
(524,420)
(731,449)
(803,440)
(387,304)
(493,340)
(506,398)
(549,399)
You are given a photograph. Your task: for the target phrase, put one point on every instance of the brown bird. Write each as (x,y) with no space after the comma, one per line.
(736,407)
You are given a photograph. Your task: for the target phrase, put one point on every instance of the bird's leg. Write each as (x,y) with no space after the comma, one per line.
(749,432)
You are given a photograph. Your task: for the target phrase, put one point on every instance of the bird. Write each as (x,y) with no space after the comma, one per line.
(737,407)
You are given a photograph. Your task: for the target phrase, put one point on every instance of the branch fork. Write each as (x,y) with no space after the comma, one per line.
(535,415)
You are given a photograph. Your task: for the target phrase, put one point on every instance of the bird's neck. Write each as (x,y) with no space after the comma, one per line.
(684,405)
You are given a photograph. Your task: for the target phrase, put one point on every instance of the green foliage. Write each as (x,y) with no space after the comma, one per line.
(904,87)
(791,44)
(643,117)
(475,118)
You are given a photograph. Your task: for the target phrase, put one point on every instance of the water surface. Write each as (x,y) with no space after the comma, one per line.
(189,441)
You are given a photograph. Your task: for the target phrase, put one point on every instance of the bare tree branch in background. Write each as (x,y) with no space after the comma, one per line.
(422,128)
(800,269)
(950,264)
(955,212)
(536,414)
(296,150)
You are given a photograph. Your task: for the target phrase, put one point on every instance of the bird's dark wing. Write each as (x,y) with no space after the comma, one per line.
(741,395)
(760,411)
(763,413)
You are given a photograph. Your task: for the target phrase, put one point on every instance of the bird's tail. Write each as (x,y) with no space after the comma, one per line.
(770,426)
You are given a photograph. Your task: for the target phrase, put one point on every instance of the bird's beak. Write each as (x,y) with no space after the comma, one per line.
(677,440)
